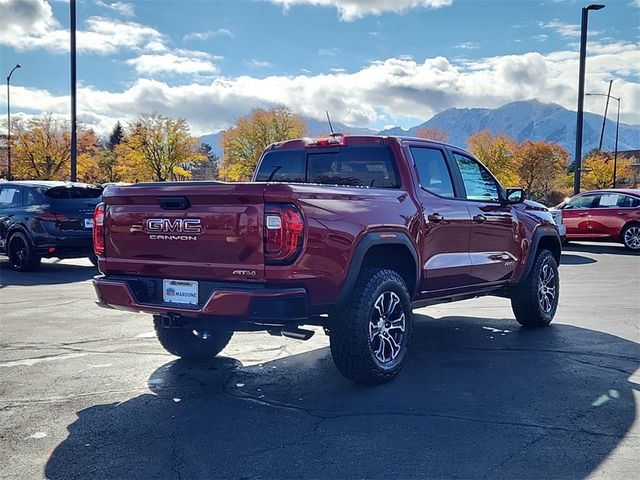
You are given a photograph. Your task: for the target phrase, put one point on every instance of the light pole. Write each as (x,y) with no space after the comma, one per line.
(615,151)
(9,121)
(580,114)
(74,138)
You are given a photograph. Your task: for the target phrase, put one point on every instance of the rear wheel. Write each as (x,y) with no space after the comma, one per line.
(190,343)
(21,254)
(631,237)
(535,300)
(370,337)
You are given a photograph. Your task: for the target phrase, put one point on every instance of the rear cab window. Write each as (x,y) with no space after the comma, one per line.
(355,166)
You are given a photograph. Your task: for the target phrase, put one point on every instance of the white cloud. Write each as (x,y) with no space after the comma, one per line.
(350,10)
(176,62)
(221,32)
(399,91)
(123,8)
(329,52)
(253,63)
(29,25)
(565,29)
(468,45)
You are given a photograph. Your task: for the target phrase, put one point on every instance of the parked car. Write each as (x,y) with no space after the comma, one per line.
(347,232)
(611,215)
(558,220)
(40,219)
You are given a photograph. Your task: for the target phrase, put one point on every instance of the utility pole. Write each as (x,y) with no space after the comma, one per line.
(604,119)
(9,122)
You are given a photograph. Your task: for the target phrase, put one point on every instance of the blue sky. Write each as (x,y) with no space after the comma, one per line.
(370,63)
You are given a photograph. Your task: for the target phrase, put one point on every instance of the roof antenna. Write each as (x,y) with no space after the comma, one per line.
(330,126)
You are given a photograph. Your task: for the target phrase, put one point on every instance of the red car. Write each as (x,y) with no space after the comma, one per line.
(604,216)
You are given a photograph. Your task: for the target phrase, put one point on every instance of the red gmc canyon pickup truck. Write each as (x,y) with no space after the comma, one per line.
(347,232)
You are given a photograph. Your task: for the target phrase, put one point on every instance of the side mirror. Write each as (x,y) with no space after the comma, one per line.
(515,195)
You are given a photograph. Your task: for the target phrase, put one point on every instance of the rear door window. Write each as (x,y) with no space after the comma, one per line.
(433,172)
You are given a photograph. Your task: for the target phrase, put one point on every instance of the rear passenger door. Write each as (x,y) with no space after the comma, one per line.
(493,248)
(445,243)
(609,214)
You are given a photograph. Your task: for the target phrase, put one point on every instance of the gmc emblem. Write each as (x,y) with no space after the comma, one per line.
(185,228)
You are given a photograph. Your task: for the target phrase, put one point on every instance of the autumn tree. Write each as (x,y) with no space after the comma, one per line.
(245,141)
(497,152)
(597,171)
(540,167)
(433,134)
(41,149)
(158,148)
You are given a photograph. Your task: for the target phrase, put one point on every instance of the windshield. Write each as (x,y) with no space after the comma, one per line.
(362,166)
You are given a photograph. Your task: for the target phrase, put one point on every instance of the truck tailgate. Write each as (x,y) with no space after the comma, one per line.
(185,231)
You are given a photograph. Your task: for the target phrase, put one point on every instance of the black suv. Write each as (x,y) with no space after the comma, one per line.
(46,219)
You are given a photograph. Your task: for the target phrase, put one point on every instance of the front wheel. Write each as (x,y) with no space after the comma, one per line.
(190,343)
(631,237)
(535,300)
(370,336)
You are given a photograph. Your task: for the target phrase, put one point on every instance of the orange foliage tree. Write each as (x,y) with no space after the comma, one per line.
(497,152)
(433,134)
(244,142)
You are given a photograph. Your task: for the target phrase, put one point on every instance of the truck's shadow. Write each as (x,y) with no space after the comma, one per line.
(477,398)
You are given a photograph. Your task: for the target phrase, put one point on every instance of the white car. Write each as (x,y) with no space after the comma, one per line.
(557,218)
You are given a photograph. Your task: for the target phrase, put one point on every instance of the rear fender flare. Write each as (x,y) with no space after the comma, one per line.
(370,240)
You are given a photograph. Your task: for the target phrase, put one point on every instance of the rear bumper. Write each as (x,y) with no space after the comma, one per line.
(64,247)
(256,303)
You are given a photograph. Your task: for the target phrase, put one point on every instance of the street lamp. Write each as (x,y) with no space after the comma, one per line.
(580,114)
(615,152)
(9,122)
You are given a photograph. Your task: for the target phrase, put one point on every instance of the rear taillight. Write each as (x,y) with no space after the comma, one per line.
(51,217)
(283,233)
(98,229)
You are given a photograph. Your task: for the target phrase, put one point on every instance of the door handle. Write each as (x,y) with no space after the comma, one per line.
(435,217)
(583,214)
(479,218)
(622,213)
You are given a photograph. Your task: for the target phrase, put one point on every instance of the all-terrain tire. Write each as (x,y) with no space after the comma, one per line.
(535,300)
(355,347)
(191,344)
(22,256)
(631,237)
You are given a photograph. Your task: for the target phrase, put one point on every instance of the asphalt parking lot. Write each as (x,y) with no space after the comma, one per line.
(89,393)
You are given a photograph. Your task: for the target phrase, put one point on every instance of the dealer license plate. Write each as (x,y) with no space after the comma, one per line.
(180,291)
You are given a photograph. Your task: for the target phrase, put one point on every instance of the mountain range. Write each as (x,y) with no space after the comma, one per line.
(521,120)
